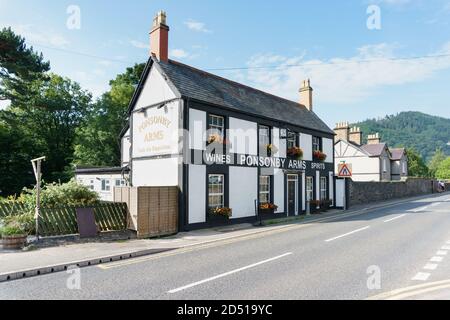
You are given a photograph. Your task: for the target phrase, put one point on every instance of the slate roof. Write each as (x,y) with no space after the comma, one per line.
(106,170)
(374,150)
(206,87)
(397,154)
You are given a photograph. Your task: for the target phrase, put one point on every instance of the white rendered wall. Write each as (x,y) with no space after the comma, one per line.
(328,149)
(197,194)
(85,179)
(306,145)
(243,136)
(243,190)
(197,129)
(155,173)
(278,192)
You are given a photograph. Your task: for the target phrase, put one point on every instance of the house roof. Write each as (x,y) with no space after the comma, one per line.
(397,154)
(205,87)
(374,150)
(96,170)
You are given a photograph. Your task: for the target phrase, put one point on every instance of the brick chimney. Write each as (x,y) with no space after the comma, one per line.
(159,38)
(342,131)
(374,138)
(306,95)
(355,136)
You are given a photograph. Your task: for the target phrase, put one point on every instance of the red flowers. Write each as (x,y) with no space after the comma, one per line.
(319,155)
(295,152)
(268,206)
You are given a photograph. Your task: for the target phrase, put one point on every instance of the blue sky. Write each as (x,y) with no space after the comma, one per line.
(326,40)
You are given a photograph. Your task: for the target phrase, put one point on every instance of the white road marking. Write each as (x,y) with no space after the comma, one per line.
(435,204)
(398,217)
(228,273)
(347,234)
(421,276)
(431,266)
(436,259)
(448,242)
(441,253)
(419,209)
(445,248)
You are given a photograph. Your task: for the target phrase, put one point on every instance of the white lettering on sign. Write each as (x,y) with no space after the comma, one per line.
(318,166)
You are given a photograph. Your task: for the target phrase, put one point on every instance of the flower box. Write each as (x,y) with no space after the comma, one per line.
(267,208)
(319,156)
(295,152)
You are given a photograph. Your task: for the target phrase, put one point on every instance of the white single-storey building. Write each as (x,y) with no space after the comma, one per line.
(102,180)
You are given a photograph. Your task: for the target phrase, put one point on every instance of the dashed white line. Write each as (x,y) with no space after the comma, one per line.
(435,204)
(398,217)
(419,209)
(436,259)
(445,248)
(431,266)
(421,276)
(347,234)
(441,253)
(228,273)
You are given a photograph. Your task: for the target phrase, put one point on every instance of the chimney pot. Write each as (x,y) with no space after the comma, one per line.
(159,37)
(306,95)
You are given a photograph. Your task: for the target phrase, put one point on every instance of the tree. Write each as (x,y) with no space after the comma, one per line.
(97,142)
(443,172)
(436,161)
(416,165)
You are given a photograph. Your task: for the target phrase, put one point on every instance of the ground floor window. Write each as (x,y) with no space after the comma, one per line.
(309,188)
(264,189)
(216,187)
(120,182)
(106,185)
(91,185)
(323,188)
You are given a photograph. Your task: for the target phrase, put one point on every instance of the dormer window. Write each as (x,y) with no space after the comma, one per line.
(316,144)
(216,125)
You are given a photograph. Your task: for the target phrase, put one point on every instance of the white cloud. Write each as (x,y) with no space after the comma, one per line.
(341,80)
(140,45)
(197,26)
(40,37)
(178,53)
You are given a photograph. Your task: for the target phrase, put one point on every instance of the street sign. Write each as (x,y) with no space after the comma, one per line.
(345,170)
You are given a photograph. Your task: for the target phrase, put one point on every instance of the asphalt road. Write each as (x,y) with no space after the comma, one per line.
(355,257)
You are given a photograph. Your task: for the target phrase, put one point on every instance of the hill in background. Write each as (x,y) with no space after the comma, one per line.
(417,130)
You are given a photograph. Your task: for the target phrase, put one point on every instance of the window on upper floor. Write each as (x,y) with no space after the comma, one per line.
(292,140)
(216,125)
(264,139)
(317,144)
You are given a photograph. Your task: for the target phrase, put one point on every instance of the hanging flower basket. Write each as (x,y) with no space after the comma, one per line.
(271,149)
(319,156)
(295,152)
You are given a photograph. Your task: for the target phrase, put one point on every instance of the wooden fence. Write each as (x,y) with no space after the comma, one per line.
(153,211)
(63,220)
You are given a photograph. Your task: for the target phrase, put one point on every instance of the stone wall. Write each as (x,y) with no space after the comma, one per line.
(366,192)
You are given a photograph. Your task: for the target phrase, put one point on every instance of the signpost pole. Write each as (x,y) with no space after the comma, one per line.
(37,172)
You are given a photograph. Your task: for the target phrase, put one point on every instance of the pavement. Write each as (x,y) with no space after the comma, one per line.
(389,250)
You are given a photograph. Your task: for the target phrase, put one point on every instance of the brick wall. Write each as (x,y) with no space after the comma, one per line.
(365,192)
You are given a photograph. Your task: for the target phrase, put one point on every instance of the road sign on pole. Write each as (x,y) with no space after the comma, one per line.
(345,170)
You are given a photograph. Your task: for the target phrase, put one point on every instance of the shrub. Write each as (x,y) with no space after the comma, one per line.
(56,195)
(20,224)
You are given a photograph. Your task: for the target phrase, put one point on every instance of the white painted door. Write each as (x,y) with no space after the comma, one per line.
(340,192)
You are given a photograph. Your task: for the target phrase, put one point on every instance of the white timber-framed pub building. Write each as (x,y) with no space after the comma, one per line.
(222,143)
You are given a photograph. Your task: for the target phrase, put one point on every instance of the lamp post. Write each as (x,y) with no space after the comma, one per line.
(37,173)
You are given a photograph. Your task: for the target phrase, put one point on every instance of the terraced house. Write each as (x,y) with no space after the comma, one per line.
(224,144)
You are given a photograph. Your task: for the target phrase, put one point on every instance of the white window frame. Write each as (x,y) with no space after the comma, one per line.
(119,182)
(263,139)
(216,125)
(216,194)
(266,192)
(323,188)
(309,188)
(91,184)
(384,165)
(106,185)
(291,140)
(404,167)
(316,143)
